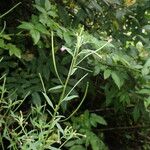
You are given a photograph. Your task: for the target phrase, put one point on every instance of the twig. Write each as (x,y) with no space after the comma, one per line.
(9,10)
(108,109)
(125,128)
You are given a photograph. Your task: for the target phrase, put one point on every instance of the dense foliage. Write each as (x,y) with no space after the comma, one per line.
(75,74)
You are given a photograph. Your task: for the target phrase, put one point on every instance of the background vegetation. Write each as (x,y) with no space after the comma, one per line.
(75,74)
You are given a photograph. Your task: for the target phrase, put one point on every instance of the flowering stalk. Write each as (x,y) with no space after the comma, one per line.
(72,66)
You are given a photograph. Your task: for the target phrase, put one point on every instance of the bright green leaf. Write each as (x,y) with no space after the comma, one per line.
(41,28)
(77,147)
(70,97)
(48,100)
(47,5)
(107,73)
(147,28)
(56,89)
(35,35)
(144,91)
(116,79)
(26,25)
(40,9)
(13,50)
(147,103)
(98,119)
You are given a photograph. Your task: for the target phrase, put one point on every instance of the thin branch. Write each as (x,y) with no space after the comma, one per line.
(125,128)
(9,10)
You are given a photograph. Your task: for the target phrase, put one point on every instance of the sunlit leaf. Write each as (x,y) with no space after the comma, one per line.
(47,5)
(48,100)
(35,35)
(13,50)
(26,25)
(116,78)
(56,89)
(107,73)
(70,97)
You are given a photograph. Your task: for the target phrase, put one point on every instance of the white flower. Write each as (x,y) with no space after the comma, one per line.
(62,49)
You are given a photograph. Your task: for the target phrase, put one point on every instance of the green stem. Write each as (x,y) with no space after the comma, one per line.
(73,63)
(3,88)
(92,52)
(3,28)
(64,89)
(9,10)
(54,61)
(42,83)
(85,93)
(75,86)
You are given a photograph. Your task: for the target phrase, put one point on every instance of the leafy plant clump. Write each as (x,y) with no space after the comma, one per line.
(75,74)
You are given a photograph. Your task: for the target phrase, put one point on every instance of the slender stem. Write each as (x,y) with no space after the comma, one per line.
(92,52)
(3,88)
(75,86)
(125,128)
(1,140)
(9,10)
(3,28)
(42,83)
(54,61)
(85,93)
(73,63)
(64,89)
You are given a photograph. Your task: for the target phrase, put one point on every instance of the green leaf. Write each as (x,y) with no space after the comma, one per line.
(67,38)
(52,13)
(6,37)
(107,73)
(144,91)
(116,79)
(147,103)
(60,128)
(36,99)
(95,141)
(145,71)
(48,100)
(47,5)
(43,18)
(70,97)
(41,28)
(77,147)
(13,50)
(98,119)
(40,9)
(56,89)
(26,25)
(147,28)
(35,35)
(53,148)
(147,64)
(136,113)
(2,44)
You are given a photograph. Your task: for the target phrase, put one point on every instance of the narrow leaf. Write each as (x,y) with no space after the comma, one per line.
(56,89)
(70,97)
(48,100)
